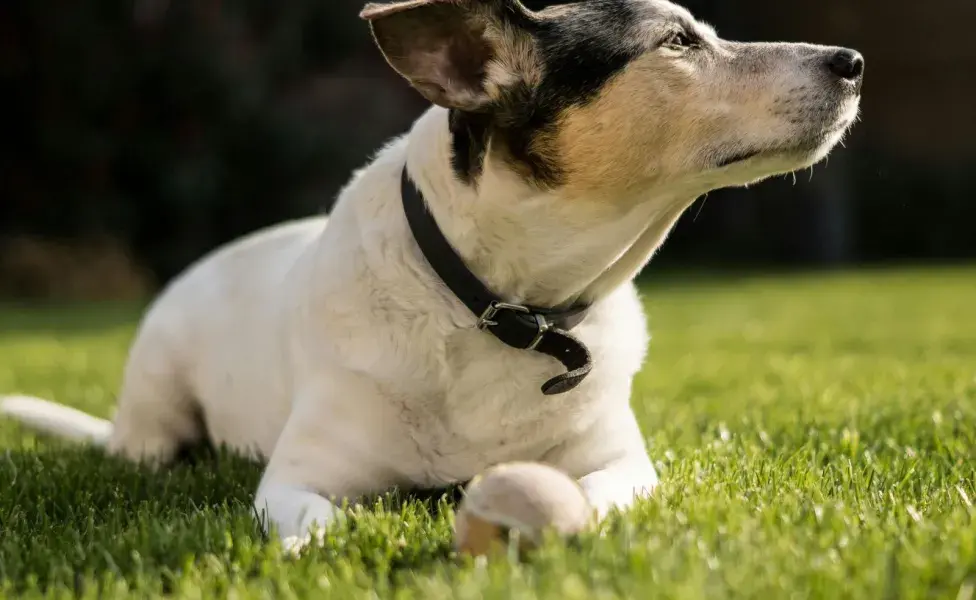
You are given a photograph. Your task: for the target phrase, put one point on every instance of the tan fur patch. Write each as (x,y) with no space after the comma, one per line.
(662,119)
(635,132)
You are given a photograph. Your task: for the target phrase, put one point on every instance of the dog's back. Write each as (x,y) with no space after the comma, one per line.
(214,332)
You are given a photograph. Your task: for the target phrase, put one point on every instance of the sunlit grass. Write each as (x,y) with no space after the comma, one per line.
(816,437)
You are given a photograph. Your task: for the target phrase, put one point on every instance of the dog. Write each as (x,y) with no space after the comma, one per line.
(470,300)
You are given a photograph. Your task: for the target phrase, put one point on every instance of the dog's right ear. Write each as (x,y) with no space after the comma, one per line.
(442,47)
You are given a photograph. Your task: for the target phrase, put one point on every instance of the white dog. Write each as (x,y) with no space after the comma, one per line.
(399,344)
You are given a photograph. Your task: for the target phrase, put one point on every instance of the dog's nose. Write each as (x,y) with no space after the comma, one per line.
(846,64)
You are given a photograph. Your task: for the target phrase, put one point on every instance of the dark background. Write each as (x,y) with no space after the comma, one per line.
(138,134)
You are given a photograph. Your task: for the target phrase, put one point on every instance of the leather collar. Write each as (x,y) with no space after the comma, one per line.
(532,328)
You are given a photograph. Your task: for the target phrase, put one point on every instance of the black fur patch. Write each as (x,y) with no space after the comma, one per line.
(582,45)
(470,134)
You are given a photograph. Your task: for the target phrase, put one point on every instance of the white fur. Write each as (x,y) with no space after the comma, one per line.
(335,351)
(63,421)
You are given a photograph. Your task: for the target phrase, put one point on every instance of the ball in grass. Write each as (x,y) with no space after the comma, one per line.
(523,497)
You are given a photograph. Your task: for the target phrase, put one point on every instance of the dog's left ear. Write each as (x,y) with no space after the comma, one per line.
(444,47)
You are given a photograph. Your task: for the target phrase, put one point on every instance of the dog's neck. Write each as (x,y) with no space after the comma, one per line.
(532,246)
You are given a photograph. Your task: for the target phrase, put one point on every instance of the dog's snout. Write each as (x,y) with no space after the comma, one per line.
(846,64)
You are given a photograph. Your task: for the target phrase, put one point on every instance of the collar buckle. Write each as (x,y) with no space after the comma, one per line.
(485,321)
(542,324)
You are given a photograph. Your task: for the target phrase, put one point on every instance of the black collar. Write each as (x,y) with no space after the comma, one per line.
(524,327)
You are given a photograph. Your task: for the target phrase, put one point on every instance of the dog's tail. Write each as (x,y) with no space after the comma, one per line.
(57,419)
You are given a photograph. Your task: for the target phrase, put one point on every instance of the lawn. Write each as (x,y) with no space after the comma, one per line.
(816,436)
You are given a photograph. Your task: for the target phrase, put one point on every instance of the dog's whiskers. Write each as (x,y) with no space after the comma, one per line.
(700,206)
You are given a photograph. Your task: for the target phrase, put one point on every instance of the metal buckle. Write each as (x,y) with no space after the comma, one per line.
(493,309)
(543,326)
(541,323)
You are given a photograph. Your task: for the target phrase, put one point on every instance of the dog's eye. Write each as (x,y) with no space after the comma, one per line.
(680,40)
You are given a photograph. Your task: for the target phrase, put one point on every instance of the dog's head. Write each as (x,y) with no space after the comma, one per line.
(617,95)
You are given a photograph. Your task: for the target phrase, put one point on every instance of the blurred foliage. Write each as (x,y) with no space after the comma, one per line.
(174,125)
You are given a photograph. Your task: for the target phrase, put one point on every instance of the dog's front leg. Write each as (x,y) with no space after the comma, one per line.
(331,447)
(296,513)
(611,462)
(619,484)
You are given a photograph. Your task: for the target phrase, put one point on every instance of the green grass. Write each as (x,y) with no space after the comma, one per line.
(816,437)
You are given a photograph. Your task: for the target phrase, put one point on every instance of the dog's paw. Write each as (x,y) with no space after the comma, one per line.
(612,491)
(294,545)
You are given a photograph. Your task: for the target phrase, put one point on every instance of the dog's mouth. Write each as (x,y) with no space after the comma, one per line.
(737,158)
(809,142)
(754,154)
(811,145)
(798,152)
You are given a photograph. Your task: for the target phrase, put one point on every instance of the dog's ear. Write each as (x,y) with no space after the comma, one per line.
(444,47)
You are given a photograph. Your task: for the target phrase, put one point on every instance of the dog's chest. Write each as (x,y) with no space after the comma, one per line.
(455,444)
(490,410)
